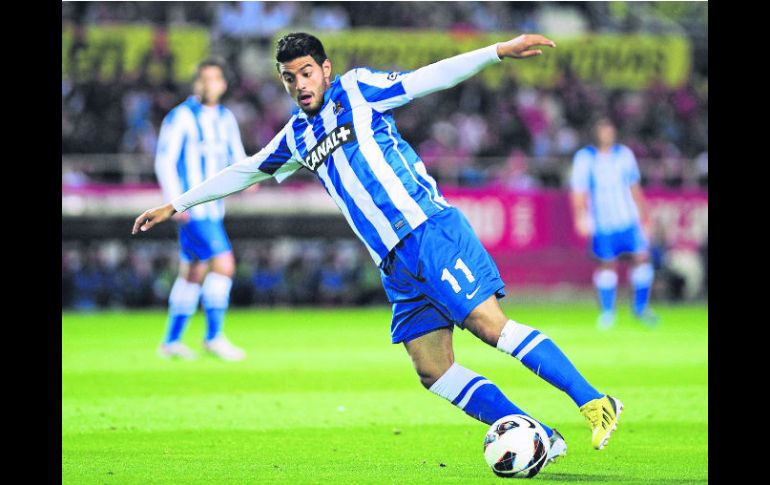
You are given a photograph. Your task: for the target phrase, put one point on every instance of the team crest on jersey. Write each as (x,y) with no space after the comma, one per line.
(338,108)
(392,76)
(341,135)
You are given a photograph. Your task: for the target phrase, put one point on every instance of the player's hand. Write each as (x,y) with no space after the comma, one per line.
(583,227)
(522,46)
(151,217)
(181,217)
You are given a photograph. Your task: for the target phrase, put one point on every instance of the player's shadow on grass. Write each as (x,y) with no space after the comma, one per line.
(586,477)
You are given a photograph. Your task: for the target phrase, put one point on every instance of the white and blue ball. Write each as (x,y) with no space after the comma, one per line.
(516,446)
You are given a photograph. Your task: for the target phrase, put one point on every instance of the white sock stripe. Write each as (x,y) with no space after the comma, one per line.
(184,297)
(535,341)
(512,336)
(605,278)
(642,274)
(452,382)
(216,290)
(470,392)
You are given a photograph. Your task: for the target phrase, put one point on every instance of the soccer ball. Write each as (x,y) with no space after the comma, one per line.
(516,446)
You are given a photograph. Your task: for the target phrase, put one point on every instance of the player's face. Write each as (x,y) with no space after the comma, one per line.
(306,82)
(210,85)
(605,134)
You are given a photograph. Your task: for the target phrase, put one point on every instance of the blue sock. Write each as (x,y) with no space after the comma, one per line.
(641,279)
(540,355)
(479,397)
(215,318)
(176,325)
(606,283)
(216,298)
(182,301)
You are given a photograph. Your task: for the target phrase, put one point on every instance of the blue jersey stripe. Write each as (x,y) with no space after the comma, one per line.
(371,182)
(362,223)
(374,94)
(181,166)
(270,166)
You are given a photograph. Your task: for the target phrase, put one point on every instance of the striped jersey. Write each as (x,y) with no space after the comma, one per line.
(352,145)
(196,142)
(607,178)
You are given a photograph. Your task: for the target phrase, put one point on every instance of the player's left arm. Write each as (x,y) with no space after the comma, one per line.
(235,144)
(634,180)
(387,91)
(234,139)
(641,204)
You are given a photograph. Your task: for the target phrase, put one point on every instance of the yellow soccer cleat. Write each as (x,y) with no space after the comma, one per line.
(602,414)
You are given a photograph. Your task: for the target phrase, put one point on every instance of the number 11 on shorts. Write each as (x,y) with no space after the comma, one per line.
(460,265)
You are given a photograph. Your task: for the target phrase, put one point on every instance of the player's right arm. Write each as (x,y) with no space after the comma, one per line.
(274,160)
(579,186)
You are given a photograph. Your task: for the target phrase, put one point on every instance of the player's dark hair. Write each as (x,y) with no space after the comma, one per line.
(298,44)
(211,62)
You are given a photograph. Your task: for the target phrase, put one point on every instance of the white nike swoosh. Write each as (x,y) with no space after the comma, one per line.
(471,295)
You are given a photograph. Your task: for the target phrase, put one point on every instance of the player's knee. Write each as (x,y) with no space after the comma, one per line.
(430,374)
(224,264)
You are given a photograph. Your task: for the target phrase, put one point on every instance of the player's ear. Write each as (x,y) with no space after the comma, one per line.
(327,68)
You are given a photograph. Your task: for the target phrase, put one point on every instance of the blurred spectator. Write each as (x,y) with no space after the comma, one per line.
(116,113)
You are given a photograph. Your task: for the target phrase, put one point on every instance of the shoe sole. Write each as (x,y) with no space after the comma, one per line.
(618,410)
(554,458)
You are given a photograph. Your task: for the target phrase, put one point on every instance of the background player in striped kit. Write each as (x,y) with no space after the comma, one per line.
(433,267)
(198,138)
(608,206)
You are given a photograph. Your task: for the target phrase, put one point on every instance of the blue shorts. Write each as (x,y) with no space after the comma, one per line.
(437,275)
(608,246)
(202,239)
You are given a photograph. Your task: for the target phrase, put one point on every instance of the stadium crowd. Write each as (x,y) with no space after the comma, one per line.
(514,136)
(511,134)
(115,274)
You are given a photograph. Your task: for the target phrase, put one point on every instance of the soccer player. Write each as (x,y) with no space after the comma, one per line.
(433,267)
(198,138)
(608,205)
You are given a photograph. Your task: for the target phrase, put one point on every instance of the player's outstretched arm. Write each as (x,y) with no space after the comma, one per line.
(449,72)
(151,217)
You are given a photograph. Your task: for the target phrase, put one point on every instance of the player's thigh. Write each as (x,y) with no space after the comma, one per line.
(457,273)
(193,271)
(431,354)
(223,263)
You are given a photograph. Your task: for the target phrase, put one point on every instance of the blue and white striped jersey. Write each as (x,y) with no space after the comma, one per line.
(352,145)
(607,178)
(196,142)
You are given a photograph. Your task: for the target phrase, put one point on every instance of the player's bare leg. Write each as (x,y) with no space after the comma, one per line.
(433,359)
(216,298)
(432,355)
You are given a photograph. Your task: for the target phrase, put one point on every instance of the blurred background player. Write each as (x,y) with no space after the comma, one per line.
(608,205)
(198,138)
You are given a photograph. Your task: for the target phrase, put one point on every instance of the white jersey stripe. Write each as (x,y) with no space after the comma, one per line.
(324,175)
(351,183)
(420,168)
(406,165)
(394,187)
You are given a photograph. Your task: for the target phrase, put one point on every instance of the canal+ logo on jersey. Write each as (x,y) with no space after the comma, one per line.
(339,136)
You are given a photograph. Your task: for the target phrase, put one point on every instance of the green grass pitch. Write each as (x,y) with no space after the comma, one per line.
(324,397)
